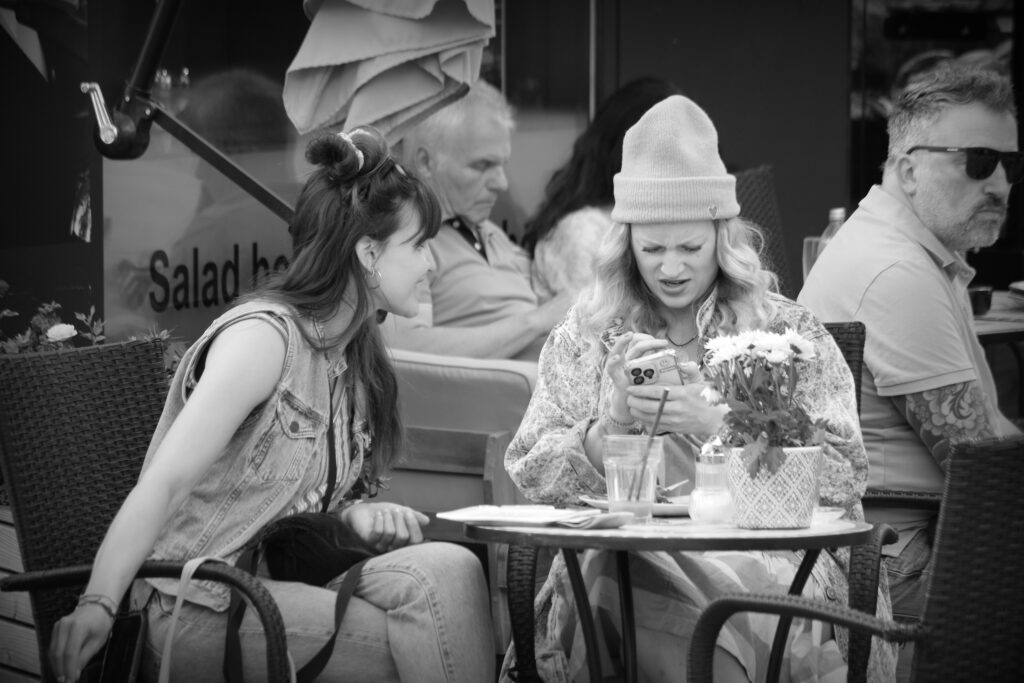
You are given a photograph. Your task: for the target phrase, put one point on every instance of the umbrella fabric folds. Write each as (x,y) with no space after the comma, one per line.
(387,63)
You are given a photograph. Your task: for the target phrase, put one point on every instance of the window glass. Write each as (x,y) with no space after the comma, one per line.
(894,41)
(181,241)
(547,81)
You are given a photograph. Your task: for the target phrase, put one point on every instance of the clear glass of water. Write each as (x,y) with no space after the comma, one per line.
(631,476)
(812,247)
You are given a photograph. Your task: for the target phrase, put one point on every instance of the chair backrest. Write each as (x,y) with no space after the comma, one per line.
(457,394)
(755,192)
(74,428)
(974,609)
(849,338)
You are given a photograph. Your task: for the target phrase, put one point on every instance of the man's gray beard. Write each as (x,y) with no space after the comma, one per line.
(968,231)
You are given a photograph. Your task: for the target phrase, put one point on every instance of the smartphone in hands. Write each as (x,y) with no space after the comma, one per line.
(656,368)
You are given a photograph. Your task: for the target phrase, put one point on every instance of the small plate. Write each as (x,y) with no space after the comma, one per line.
(511,515)
(1016,293)
(825,515)
(679,507)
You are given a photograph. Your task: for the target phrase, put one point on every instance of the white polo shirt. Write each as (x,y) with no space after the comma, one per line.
(467,290)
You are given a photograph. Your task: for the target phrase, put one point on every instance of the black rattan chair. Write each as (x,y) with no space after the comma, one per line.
(74,429)
(849,337)
(971,628)
(865,559)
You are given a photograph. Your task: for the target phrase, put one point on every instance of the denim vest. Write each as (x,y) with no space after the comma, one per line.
(275,461)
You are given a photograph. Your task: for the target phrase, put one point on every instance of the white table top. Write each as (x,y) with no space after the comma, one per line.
(677,534)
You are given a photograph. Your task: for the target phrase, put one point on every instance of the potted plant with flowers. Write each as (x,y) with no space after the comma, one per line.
(775,444)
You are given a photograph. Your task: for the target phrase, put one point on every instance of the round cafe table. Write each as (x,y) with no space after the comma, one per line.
(676,534)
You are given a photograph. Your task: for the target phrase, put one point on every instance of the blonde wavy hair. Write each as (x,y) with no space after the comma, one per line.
(619,292)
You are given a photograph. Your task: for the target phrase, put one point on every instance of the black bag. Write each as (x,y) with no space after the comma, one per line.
(314,548)
(119,660)
(311,547)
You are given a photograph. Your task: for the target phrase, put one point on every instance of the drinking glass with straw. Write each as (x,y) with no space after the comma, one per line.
(634,490)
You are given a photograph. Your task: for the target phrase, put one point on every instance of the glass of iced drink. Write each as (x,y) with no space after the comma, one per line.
(631,470)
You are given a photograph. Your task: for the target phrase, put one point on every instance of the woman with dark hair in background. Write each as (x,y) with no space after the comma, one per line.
(575,214)
(288,404)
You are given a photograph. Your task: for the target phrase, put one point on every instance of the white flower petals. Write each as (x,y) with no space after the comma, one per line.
(60,332)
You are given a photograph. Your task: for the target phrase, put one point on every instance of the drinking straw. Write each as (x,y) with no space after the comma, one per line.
(647,447)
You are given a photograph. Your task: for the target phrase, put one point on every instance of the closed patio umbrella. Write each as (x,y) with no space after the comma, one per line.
(387,63)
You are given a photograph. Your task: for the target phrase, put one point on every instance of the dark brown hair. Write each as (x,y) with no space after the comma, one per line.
(358,190)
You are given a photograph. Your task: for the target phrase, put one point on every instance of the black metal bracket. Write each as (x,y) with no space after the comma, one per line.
(124,134)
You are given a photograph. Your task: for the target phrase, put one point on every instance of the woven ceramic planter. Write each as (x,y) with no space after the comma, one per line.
(783,500)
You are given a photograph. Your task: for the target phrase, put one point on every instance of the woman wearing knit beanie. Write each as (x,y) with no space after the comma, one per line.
(679,268)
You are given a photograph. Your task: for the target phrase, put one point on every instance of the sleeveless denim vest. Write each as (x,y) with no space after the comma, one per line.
(275,458)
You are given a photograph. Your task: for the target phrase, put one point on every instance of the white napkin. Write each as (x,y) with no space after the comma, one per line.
(592,519)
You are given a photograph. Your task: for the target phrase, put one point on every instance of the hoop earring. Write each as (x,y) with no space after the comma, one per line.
(371,276)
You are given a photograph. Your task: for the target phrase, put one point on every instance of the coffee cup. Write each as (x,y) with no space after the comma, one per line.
(981,298)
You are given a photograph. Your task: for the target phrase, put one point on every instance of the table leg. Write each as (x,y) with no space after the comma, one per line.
(628,620)
(779,644)
(579,593)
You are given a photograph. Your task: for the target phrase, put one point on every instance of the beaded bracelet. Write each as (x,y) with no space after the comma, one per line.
(616,423)
(108,605)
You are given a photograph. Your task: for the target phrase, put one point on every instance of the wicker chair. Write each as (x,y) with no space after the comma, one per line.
(74,428)
(865,559)
(971,628)
(849,337)
(755,192)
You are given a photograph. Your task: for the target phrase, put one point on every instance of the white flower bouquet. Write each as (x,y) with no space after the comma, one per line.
(755,373)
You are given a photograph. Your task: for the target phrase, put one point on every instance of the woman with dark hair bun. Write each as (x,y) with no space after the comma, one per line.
(288,404)
(575,216)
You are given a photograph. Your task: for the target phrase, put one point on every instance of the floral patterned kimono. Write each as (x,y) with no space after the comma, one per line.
(547,462)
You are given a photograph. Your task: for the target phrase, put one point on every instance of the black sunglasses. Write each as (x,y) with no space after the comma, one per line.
(982,161)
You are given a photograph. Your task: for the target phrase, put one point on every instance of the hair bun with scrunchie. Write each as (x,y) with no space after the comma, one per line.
(347,156)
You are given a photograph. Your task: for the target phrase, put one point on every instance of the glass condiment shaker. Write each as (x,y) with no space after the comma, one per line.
(711,501)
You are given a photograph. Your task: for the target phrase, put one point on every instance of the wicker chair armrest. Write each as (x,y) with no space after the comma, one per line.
(521,570)
(924,500)
(705,635)
(865,564)
(250,587)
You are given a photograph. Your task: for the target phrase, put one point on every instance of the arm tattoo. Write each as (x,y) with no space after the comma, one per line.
(941,416)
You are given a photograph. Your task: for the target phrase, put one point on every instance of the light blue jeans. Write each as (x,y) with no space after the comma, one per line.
(908,580)
(418,614)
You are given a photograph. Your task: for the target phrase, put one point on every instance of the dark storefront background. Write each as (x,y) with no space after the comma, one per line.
(790,83)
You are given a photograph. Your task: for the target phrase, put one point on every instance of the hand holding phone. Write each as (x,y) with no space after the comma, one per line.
(655,368)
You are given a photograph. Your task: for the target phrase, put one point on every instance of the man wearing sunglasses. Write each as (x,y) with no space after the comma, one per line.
(898,266)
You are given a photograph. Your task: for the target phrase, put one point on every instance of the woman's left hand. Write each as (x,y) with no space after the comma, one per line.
(385,526)
(686,411)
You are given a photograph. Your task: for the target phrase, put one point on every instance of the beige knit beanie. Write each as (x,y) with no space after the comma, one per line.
(671,170)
